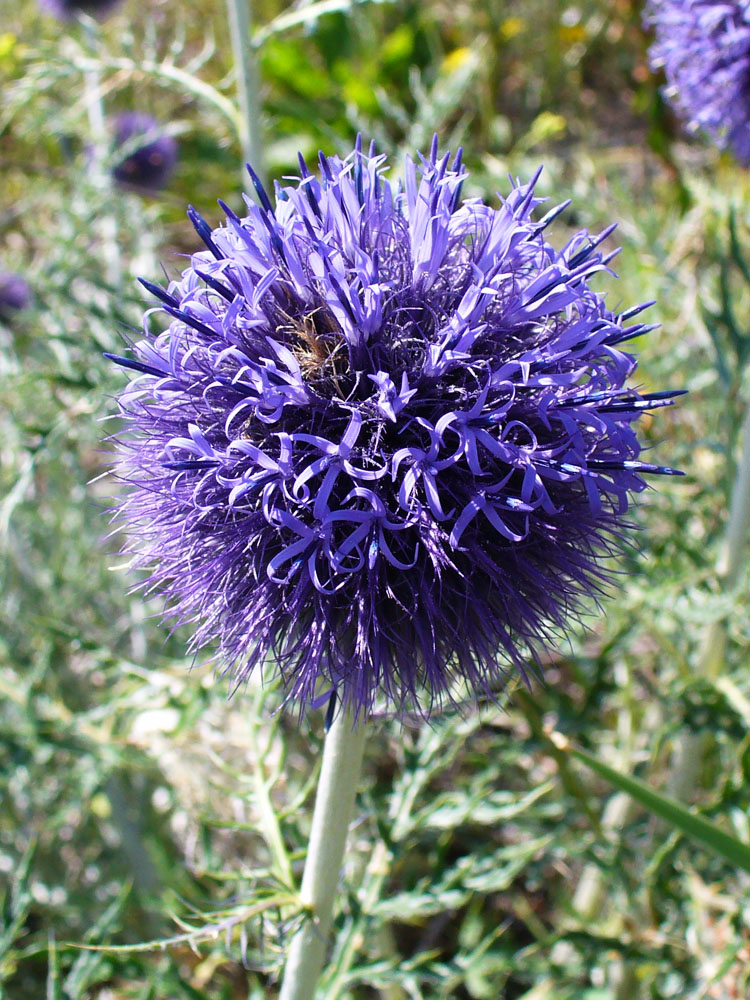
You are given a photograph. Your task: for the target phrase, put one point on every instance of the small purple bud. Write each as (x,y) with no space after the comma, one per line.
(151,155)
(15,294)
(66,10)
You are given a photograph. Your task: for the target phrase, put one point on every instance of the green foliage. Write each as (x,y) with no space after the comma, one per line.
(152,833)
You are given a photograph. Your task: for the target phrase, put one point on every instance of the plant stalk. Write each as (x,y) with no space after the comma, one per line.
(689,747)
(248,95)
(687,753)
(107,223)
(334,805)
(731,557)
(269,823)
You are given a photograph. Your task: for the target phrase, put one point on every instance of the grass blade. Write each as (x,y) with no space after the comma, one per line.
(678,816)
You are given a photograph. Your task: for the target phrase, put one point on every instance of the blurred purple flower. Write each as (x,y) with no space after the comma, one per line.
(66,10)
(15,294)
(151,155)
(386,438)
(704,48)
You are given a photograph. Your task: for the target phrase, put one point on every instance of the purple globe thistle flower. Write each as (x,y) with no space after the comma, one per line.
(15,294)
(151,155)
(67,10)
(704,47)
(387,438)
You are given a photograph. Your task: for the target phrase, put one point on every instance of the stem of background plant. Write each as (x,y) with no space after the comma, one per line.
(334,805)
(269,824)
(368,894)
(688,747)
(686,755)
(732,556)
(592,896)
(248,93)
(107,224)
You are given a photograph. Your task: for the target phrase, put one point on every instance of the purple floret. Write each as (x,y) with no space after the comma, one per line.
(151,155)
(15,294)
(386,440)
(66,10)
(704,48)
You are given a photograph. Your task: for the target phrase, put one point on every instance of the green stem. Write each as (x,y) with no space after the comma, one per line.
(246,73)
(372,883)
(569,779)
(175,74)
(689,747)
(305,16)
(334,805)
(107,223)
(732,556)
(674,813)
(267,814)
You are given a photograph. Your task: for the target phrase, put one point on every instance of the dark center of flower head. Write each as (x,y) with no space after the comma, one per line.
(319,348)
(387,437)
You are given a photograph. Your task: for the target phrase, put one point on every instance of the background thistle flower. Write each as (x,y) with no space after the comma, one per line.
(704,48)
(386,439)
(15,294)
(151,155)
(67,10)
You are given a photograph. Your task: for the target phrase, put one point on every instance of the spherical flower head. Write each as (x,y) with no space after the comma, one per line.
(151,155)
(386,439)
(15,294)
(67,10)
(704,48)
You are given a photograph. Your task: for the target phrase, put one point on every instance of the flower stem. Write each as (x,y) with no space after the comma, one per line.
(334,804)
(732,556)
(246,72)
(268,822)
(689,748)
(101,180)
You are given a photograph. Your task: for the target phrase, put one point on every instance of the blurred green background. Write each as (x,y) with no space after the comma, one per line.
(136,801)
